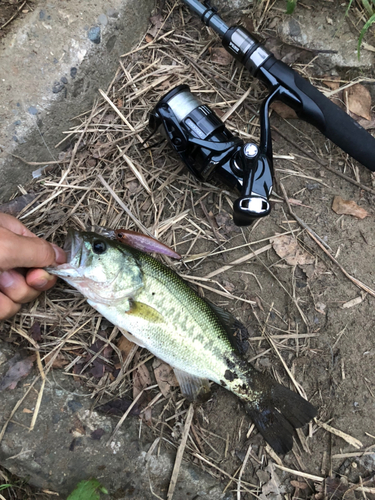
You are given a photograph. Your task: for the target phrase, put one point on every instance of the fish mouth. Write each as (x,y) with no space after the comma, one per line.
(73,247)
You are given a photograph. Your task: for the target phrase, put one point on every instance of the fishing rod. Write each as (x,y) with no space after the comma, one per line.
(206,146)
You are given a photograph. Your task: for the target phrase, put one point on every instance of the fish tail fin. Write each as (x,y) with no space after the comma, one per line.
(278,415)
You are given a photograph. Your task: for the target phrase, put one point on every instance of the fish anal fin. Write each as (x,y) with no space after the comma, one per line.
(145,312)
(192,387)
(131,337)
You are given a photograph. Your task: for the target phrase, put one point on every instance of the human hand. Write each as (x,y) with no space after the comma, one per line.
(21,250)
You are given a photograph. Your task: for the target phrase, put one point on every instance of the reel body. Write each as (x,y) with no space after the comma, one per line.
(209,150)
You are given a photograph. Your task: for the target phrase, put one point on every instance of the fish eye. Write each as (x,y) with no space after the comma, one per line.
(99,247)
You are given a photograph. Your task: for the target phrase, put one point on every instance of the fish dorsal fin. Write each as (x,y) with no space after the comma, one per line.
(145,312)
(131,337)
(236,332)
(192,387)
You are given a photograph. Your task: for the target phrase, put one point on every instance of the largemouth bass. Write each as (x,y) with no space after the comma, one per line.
(156,309)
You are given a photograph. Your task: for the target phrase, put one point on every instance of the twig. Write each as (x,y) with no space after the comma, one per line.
(124,207)
(14,15)
(180,452)
(346,437)
(122,419)
(40,394)
(17,405)
(300,474)
(300,221)
(241,260)
(242,471)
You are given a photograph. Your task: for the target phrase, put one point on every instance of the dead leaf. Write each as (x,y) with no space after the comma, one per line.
(220,56)
(157,23)
(59,362)
(332,83)
(35,331)
(15,206)
(283,110)
(97,434)
(26,410)
(157,20)
(118,407)
(348,207)
(293,54)
(229,286)
(165,377)
(99,366)
(320,307)
(272,488)
(149,38)
(352,303)
(367,125)
(288,249)
(225,224)
(16,372)
(335,488)
(299,485)
(125,346)
(141,378)
(358,100)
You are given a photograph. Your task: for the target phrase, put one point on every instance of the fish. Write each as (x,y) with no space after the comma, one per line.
(156,309)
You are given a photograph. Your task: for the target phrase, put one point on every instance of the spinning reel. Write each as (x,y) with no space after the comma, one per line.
(208,148)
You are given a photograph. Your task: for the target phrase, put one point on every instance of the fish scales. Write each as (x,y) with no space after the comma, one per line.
(190,337)
(156,309)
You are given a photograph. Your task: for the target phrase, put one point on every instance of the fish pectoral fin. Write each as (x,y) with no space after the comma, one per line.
(145,312)
(131,337)
(236,332)
(192,387)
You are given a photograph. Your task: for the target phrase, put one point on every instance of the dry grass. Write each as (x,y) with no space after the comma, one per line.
(108,178)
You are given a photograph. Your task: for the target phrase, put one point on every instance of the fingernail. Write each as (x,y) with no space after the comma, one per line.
(59,254)
(43,281)
(6,279)
(40,284)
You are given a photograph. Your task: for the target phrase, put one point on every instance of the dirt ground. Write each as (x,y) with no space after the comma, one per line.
(326,342)
(10,10)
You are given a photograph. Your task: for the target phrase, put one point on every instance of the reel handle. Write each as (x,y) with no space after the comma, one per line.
(256,188)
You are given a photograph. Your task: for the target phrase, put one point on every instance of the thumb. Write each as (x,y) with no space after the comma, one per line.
(26,251)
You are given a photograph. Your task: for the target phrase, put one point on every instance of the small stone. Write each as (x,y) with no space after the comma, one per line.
(294,28)
(94,34)
(74,406)
(32,110)
(73,72)
(64,79)
(42,14)
(112,12)
(103,20)
(57,87)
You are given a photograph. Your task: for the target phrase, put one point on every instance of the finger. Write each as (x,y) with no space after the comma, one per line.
(40,279)
(14,286)
(25,251)
(7,307)
(14,225)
